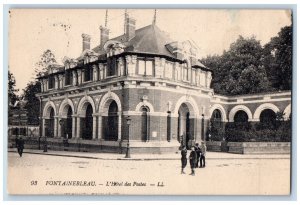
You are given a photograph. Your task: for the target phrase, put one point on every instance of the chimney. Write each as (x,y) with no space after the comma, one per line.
(86,41)
(104,36)
(130,28)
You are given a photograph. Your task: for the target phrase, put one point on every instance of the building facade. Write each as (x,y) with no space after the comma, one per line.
(142,75)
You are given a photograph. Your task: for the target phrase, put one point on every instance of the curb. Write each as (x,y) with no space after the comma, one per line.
(139,159)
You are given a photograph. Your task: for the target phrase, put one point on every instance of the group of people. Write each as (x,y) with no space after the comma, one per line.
(20,145)
(196,157)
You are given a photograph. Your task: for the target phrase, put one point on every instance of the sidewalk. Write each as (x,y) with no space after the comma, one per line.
(167,156)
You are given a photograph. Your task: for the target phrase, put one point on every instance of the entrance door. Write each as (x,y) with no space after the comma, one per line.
(87,130)
(69,124)
(112,122)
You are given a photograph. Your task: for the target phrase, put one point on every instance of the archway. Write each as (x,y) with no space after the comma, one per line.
(112,122)
(267,117)
(87,123)
(50,123)
(66,122)
(216,117)
(185,130)
(241,116)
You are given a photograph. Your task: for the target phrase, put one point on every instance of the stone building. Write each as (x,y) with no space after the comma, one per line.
(143,75)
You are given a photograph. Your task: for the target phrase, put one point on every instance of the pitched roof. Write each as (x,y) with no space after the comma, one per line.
(149,39)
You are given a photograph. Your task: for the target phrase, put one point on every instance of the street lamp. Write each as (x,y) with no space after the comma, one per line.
(128,120)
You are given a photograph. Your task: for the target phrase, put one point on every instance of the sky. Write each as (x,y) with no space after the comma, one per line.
(32,31)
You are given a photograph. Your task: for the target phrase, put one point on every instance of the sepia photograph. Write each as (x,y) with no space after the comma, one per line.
(149,101)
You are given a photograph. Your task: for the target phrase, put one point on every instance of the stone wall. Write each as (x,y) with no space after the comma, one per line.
(259,147)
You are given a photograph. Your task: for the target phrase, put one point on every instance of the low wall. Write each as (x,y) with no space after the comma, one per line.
(259,147)
(217,146)
(97,146)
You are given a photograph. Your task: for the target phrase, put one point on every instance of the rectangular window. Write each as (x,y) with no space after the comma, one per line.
(193,76)
(68,77)
(169,70)
(111,66)
(184,73)
(51,82)
(88,73)
(141,68)
(149,67)
(202,78)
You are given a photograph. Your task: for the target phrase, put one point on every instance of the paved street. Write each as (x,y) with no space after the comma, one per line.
(36,173)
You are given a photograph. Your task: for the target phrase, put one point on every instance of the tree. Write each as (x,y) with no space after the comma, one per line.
(12,96)
(47,58)
(239,70)
(277,59)
(33,103)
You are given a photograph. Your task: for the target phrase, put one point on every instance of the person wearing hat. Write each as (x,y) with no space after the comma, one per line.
(183,159)
(203,153)
(193,160)
(198,151)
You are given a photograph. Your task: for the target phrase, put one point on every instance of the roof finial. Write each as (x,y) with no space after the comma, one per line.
(126,15)
(106,17)
(154,18)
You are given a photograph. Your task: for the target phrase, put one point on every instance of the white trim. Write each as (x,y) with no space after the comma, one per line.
(287,112)
(81,103)
(144,103)
(45,110)
(263,107)
(65,102)
(138,113)
(109,96)
(191,103)
(222,110)
(237,108)
(254,101)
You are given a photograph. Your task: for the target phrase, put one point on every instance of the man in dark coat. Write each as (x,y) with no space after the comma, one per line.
(198,151)
(183,159)
(203,153)
(20,146)
(193,160)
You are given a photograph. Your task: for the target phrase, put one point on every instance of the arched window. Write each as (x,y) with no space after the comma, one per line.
(144,124)
(216,118)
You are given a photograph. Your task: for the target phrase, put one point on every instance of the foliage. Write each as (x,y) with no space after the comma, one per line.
(247,67)
(277,59)
(12,96)
(47,58)
(33,103)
